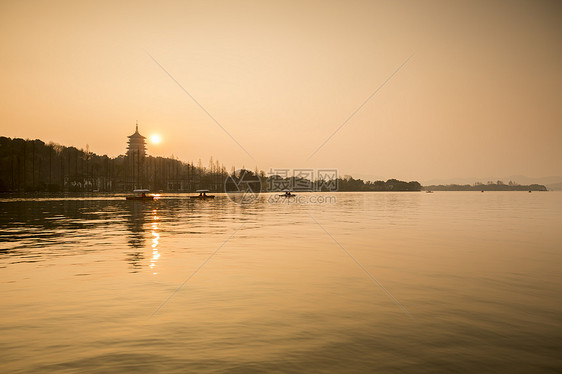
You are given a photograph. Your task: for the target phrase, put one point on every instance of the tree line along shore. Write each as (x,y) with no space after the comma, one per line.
(34,166)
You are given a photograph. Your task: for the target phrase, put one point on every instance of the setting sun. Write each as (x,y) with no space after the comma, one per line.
(155,139)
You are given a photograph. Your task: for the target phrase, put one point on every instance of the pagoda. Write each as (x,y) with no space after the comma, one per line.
(135,161)
(137,144)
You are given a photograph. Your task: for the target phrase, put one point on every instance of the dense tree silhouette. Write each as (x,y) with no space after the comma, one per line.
(32,165)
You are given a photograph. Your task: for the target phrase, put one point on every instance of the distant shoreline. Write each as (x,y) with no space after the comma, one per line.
(486,187)
(33,166)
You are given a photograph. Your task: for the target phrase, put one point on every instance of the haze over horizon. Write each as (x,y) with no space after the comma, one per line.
(471,88)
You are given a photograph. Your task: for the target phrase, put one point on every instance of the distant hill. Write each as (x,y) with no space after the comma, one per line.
(554,186)
(498,186)
(548,181)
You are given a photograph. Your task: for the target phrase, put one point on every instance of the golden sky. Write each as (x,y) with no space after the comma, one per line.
(480,95)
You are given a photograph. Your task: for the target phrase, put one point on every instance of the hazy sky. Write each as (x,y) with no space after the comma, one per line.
(480,95)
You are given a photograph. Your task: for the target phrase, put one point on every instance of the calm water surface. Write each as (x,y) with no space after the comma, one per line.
(375,282)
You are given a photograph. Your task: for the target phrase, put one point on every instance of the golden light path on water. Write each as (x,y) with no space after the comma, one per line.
(155,240)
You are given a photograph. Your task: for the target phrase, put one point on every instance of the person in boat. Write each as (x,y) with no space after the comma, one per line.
(143,195)
(202,195)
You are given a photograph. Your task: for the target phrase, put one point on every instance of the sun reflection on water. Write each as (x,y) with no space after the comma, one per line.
(155,240)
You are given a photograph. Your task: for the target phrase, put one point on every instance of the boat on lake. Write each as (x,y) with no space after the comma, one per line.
(140,194)
(287,194)
(203,195)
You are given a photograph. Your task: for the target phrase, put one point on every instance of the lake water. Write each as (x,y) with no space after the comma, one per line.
(385,282)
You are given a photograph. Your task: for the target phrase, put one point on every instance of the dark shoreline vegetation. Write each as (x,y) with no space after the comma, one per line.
(490,186)
(33,166)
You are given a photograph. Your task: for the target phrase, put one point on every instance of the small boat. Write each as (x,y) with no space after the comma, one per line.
(428,191)
(287,194)
(203,195)
(140,195)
